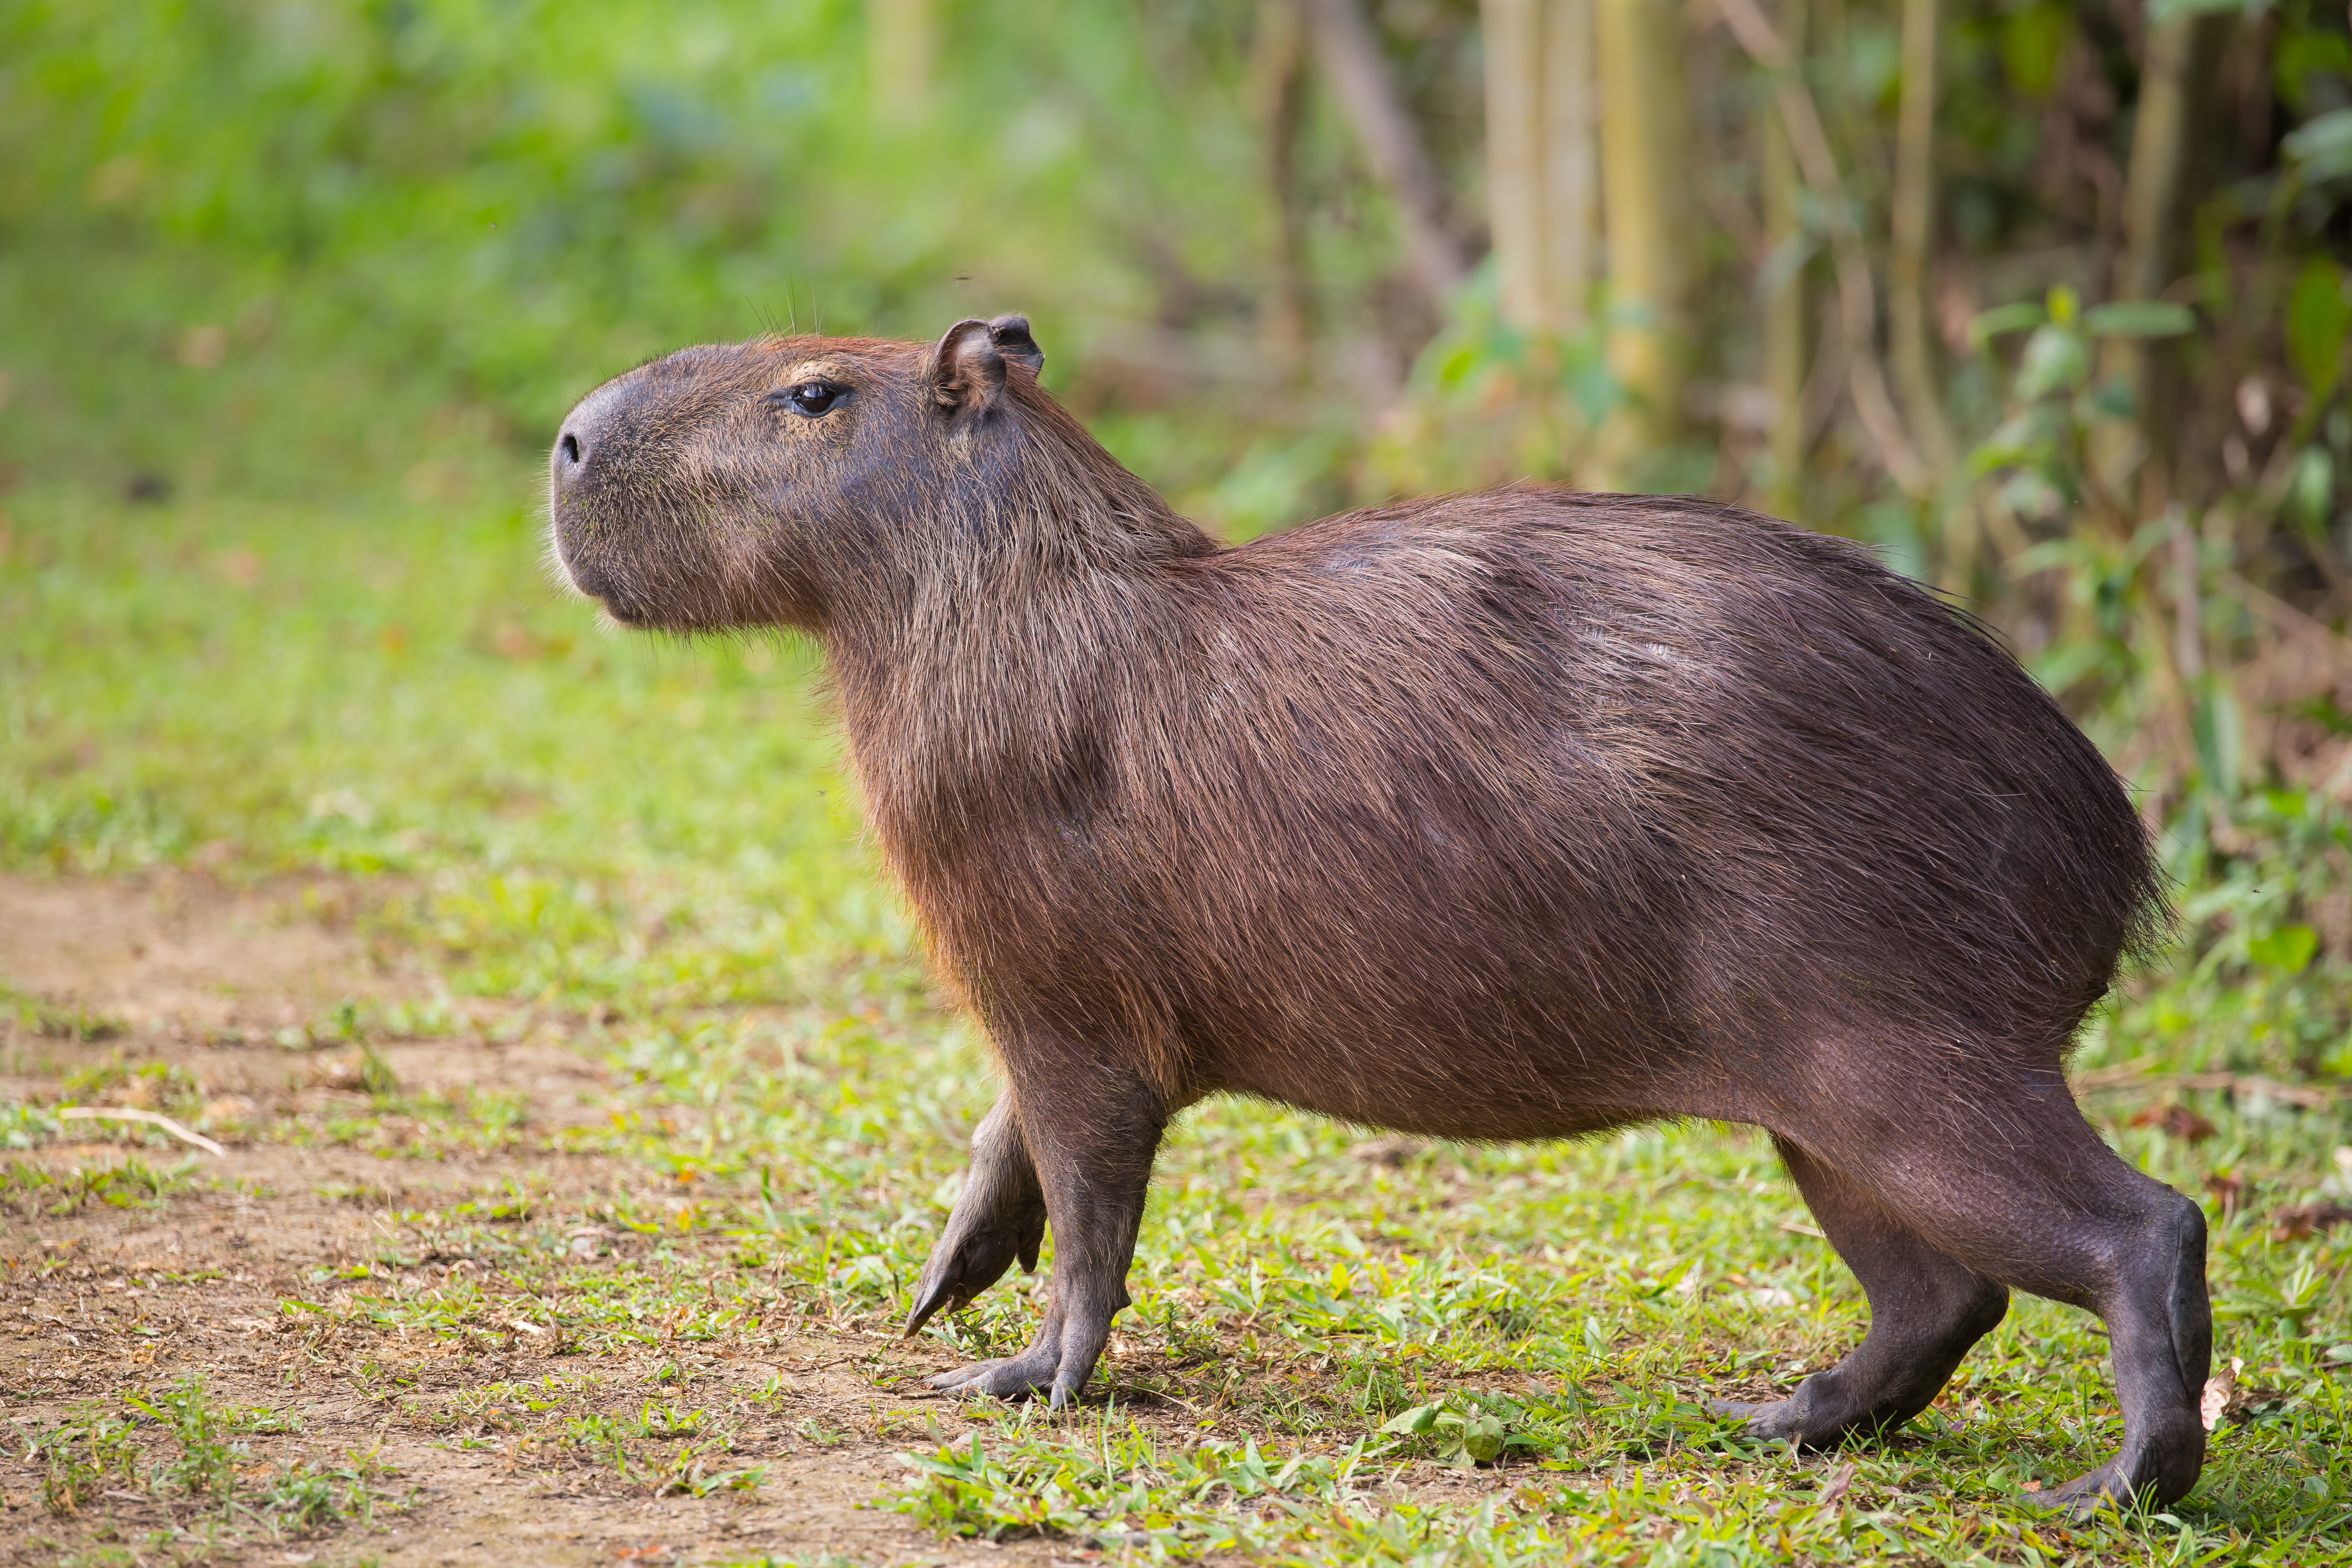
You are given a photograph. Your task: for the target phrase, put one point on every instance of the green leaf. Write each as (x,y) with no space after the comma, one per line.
(2033,40)
(1413,1422)
(2318,318)
(2056,360)
(2291,948)
(2321,149)
(2113,399)
(2139,319)
(2311,488)
(1986,325)
(1482,1439)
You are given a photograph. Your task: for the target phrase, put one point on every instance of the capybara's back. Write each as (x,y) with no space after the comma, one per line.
(1517,815)
(1495,815)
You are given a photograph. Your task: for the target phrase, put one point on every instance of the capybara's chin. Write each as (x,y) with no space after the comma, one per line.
(1517,815)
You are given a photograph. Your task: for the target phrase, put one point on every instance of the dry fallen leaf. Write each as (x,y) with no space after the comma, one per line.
(2176,1120)
(2227,1399)
(1835,1491)
(2229,1189)
(2303,1221)
(2219,1390)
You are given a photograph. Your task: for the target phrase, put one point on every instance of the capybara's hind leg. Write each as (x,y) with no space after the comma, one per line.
(1926,1311)
(2014,1184)
(2160,1327)
(998,1216)
(1092,1129)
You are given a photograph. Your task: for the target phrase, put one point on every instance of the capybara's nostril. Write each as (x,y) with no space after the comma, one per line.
(570,448)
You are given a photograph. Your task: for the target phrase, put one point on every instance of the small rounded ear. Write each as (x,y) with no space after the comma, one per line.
(1010,336)
(965,370)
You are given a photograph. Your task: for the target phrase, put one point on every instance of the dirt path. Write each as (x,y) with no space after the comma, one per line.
(110,1290)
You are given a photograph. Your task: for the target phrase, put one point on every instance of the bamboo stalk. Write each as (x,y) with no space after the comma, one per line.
(1784,369)
(1857,293)
(2176,74)
(1911,236)
(1644,190)
(1279,82)
(1513,36)
(1572,167)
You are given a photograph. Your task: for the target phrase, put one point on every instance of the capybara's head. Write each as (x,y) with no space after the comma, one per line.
(749,483)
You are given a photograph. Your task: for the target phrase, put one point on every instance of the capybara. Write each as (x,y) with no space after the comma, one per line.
(1519,814)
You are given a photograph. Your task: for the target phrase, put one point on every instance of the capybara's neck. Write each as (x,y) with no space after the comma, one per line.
(1018,616)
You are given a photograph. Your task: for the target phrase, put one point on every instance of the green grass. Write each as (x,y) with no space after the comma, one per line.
(185,1449)
(652,846)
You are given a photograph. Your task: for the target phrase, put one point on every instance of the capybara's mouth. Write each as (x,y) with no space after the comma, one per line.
(591,581)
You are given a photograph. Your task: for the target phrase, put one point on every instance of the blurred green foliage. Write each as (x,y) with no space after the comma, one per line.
(324,273)
(292,293)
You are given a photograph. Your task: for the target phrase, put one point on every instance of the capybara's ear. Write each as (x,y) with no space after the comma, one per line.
(965,370)
(1010,336)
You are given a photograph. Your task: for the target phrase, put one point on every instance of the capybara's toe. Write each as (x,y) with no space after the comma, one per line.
(1780,1418)
(1006,1378)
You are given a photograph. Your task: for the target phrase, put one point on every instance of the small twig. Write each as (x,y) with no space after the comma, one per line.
(2312,1097)
(152,1119)
(2278,612)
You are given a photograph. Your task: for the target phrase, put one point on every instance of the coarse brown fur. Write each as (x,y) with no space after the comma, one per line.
(1518,814)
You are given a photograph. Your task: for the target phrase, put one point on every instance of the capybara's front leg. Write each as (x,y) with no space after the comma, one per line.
(998,1216)
(1092,1129)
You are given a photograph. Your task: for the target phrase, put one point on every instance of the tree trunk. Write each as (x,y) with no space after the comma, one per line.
(1912,234)
(1279,81)
(1572,187)
(2171,134)
(1541,176)
(1349,54)
(1783,303)
(1512,37)
(1645,191)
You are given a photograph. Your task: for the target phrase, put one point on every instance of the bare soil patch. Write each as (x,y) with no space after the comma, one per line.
(122,1293)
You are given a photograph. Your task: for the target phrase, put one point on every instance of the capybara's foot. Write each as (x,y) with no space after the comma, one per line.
(1057,1365)
(1793,1418)
(2155,1469)
(1820,1413)
(1006,1377)
(1761,1419)
(2081,1499)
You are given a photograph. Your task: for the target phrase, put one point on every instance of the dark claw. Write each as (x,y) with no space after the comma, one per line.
(931,1296)
(1001,1216)
(962,1267)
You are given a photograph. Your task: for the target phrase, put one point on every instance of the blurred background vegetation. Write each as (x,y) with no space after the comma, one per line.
(2048,301)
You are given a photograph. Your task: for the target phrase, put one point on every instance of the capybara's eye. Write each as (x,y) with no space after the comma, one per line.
(814,397)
